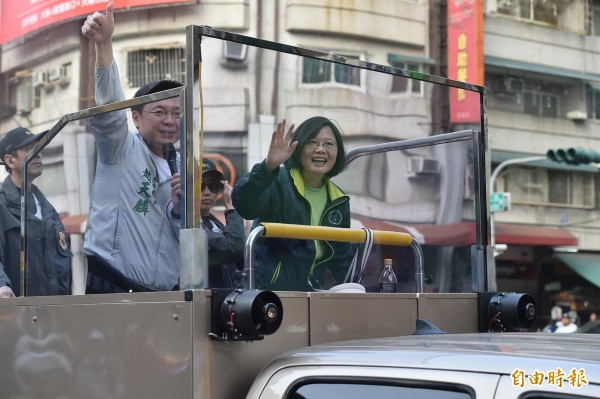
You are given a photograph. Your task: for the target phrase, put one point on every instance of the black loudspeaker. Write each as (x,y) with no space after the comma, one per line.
(506,311)
(245,315)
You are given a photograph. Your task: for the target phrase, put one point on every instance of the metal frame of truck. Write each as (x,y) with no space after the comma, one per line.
(159,344)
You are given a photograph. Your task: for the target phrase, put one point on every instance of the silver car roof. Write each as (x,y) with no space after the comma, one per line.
(497,353)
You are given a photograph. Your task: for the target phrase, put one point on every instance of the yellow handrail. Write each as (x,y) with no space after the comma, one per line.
(304,232)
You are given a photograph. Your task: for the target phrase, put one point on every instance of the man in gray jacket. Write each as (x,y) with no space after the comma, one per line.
(132,236)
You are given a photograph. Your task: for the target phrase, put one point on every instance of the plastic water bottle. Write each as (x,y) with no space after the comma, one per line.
(387,279)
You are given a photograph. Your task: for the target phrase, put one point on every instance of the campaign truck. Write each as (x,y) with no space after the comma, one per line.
(418,196)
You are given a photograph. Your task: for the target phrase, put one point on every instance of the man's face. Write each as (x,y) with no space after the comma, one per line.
(15,162)
(158,123)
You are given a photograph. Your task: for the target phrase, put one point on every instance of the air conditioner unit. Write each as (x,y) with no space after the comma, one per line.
(38,79)
(234,51)
(577,115)
(54,74)
(419,166)
(491,6)
(59,76)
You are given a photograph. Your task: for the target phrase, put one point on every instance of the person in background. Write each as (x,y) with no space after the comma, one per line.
(591,319)
(225,241)
(132,236)
(48,248)
(556,315)
(573,315)
(300,192)
(566,325)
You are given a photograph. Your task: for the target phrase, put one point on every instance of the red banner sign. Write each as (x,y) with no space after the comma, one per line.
(18,17)
(465,57)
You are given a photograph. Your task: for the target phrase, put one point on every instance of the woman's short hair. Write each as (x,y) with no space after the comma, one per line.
(308,130)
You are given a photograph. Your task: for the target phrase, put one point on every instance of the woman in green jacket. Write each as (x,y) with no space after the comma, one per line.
(299,192)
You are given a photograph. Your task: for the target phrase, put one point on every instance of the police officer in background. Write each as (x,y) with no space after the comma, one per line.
(49,252)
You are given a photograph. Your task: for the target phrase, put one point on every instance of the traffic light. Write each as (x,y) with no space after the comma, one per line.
(573,155)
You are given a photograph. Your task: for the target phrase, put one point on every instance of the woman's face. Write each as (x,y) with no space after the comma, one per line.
(211,186)
(318,156)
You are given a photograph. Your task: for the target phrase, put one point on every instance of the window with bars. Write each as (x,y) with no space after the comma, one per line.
(540,104)
(322,72)
(595,18)
(27,97)
(148,65)
(37,96)
(546,11)
(401,84)
(528,95)
(596,103)
(536,186)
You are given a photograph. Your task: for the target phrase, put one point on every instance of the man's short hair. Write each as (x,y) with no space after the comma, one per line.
(154,87)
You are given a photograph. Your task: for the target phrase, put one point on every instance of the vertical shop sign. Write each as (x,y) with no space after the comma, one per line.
(465,57)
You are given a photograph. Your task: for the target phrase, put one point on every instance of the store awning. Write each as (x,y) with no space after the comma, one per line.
(534,235)
(539,68)
(460,234)
(587,265)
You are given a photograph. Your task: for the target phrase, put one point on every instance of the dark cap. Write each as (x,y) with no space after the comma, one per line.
(209,166)
(17,138)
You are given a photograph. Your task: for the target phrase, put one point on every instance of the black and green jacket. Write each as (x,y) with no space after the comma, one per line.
(287,264)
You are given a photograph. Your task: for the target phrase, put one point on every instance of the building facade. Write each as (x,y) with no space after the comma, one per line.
(542,68)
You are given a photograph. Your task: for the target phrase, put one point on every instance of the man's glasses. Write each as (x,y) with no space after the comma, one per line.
(213,185)
(159,114)
(329,145)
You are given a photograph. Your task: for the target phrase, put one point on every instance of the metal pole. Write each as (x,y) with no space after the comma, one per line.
(495,174)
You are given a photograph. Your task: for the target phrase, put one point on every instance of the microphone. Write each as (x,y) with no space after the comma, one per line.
(170,154)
